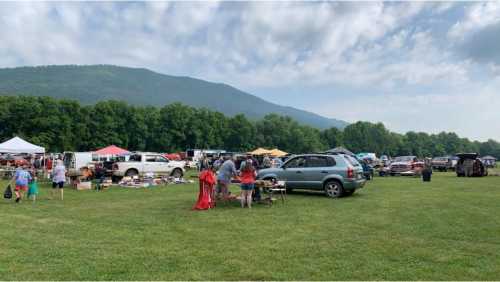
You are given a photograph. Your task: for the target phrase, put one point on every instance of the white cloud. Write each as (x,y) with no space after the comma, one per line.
(476,17)
(377,47)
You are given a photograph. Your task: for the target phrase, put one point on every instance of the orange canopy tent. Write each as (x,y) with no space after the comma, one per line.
(260,151)
(278,153)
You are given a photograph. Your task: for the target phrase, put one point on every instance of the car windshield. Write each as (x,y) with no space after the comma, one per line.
(403,159)
(352,161)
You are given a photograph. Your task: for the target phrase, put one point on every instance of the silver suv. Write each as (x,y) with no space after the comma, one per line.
(337,174)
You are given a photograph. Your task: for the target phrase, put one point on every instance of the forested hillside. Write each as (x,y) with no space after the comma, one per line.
(61,125)
(89,84)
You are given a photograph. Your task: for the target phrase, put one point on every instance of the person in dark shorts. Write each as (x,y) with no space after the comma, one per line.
(247,174)
(58,179)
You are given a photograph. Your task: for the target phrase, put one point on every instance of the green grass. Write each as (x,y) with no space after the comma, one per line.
(394,229)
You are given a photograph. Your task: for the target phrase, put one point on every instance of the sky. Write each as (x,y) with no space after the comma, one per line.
(414,66)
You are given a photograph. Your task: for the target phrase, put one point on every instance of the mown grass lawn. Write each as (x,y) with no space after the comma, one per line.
(394,229)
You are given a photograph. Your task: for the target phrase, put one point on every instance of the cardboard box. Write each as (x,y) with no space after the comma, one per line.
(87,185)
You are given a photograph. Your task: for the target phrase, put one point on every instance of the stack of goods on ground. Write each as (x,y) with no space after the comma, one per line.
(149,180)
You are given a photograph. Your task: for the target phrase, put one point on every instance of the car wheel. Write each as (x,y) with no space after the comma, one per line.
(334,189)
(177,173)
(132,172)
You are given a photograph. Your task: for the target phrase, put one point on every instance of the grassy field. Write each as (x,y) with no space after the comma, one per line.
(394,229)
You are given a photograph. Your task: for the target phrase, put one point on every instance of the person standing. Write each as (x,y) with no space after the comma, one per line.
(427,171)
(58,178)
(277,162)
(226,172)
(266,162)
(203,165)
(33,186)
(21,178)
(247,174)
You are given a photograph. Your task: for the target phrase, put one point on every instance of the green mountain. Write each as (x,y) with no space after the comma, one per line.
(89,84)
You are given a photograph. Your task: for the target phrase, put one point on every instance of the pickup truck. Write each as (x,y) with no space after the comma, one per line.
(141,163)
(405,165)
(443,163)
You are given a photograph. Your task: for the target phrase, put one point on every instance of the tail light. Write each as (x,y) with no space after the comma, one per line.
(350,172)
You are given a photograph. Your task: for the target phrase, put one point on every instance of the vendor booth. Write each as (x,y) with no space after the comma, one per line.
(17,145)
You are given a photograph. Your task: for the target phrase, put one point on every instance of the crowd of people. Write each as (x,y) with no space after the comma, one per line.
(217,174)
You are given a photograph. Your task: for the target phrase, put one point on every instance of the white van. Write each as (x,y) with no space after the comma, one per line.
(76,161)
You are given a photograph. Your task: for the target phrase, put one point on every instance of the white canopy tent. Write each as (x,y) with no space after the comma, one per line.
(17,145)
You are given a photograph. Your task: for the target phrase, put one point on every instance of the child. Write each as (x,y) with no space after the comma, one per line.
(33,187)
(248,175)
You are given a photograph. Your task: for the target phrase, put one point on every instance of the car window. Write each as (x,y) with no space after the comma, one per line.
(296,163)
(330,161)
(161,159)
(150,158)
(317,161)
(352,161)
(135,158)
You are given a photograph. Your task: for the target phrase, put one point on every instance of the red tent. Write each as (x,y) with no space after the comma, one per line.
(173,157)
(112,150)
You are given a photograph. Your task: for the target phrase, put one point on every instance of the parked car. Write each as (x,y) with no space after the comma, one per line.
(470,165)
(384,160)
(405,165)
(336,174)
(443,163)
(370,158)
(489,161)
(140,163)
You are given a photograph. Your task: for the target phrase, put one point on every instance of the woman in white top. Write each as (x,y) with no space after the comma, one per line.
(58,178)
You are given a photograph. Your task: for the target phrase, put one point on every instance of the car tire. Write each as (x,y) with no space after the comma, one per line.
(131,172)
(333,189)
(177,173)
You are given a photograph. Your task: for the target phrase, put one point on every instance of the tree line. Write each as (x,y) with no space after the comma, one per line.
(65,125)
